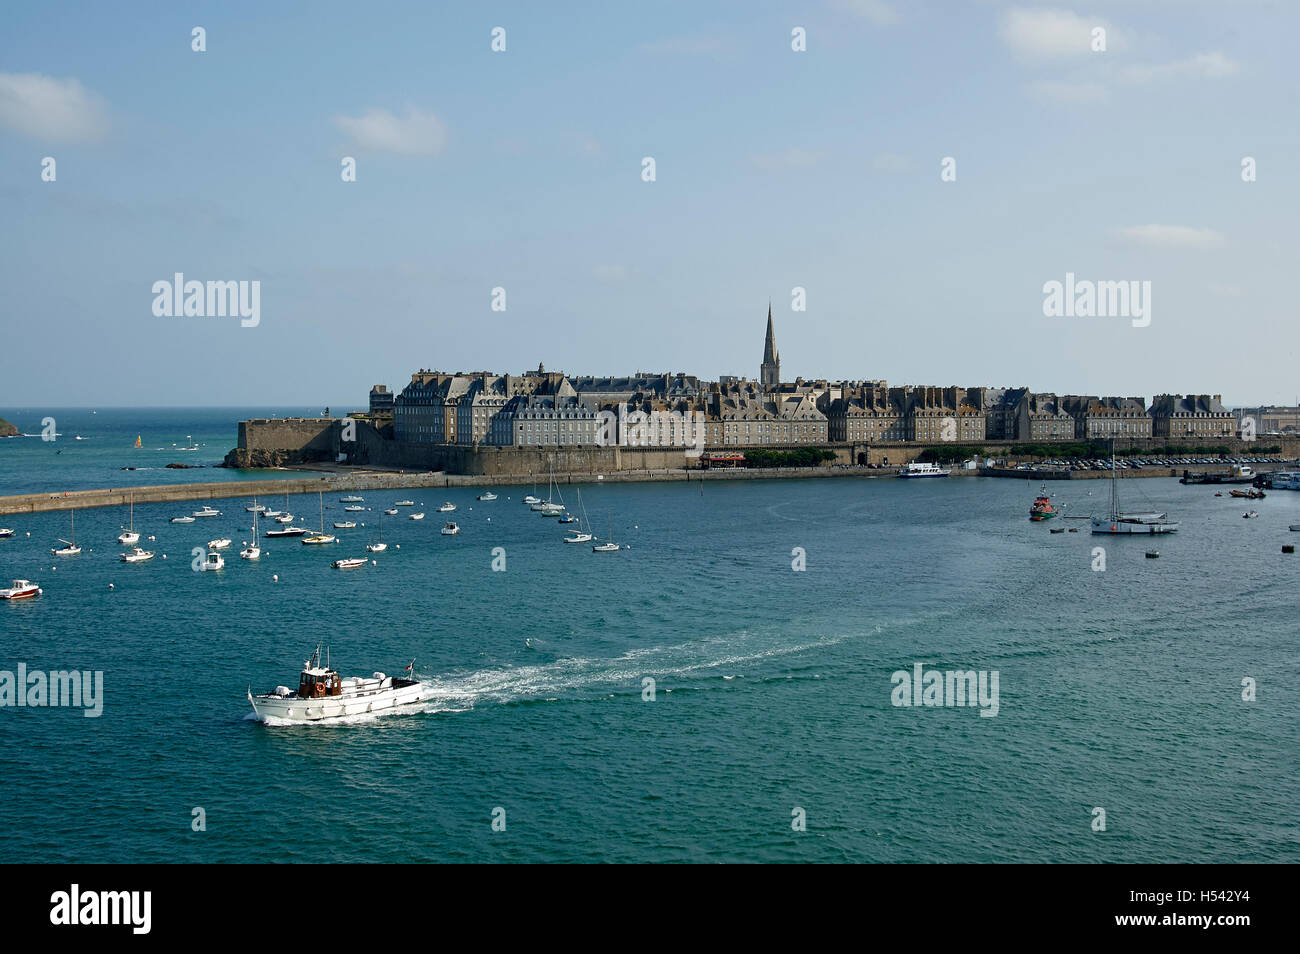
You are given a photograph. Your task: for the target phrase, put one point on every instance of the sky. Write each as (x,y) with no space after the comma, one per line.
(775,169)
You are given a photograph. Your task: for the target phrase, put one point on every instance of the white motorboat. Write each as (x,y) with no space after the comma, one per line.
(272,514)
(1295,527)
(404,503)
(487,495)
(20,590)
(1284,480)
(137,556)
(379,546)
(1119,522)
(182,519)
(609,546)
(391,511)
(214,561)
(447,507)
(323,695)
(207,512)
(922,469)
(284,518)
(221,543)
(530,500)
(351,563)
(129,536)
(578,536)
(255,508)
(583,534)
(69,547)
(354,508)
(1249,514)
(5,533)
(449,530)
(345,524)
(351,498)
(287,532)
(417,516)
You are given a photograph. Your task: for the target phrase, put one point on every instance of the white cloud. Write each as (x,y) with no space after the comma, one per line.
(56,110)
(877,11)
(417,134)
(1213,65)
(1070,93)
(793,158)
(1173,236)
(1051,34)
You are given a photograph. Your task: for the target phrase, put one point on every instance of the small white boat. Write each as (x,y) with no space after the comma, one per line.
(221,543)
(207,512)
(256,508)
(404,503)
(214,561)
(354,508)
(449,530)
(578,537)
(319,539)
(5,532)
(284,518)
(349,564)
(378,546)
(417,516)
(323,695)
(921,469)
(345,525)
(287,532)
(251,552)
(69,547)
(351,498)
(392,511)
(489,495)
(1295,527)
(447,507)
(182,519)
(1250,513)
(20,590)
(128,537)
(137,556)
(272,514)
(605,548)
(530,500)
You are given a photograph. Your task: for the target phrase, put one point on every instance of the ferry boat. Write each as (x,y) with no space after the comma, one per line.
(488,495)
(207,512)
(323,695)
(1042,508)
(350,563)
(922,469)
(137,555)
(20,590)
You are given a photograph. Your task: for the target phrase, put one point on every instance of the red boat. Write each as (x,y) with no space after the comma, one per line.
(1042,508)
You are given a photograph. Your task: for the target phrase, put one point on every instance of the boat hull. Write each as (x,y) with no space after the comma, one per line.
(1120,527)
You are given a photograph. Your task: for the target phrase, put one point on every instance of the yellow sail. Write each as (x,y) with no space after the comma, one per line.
(137,440)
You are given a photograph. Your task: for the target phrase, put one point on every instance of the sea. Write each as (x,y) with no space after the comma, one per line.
(724,688)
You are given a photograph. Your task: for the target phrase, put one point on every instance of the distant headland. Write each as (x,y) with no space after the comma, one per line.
(7,429)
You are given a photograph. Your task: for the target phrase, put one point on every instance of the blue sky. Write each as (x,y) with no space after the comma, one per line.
(522,169)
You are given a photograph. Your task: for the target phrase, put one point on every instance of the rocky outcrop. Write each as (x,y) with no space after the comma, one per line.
(7,429)
(243,459)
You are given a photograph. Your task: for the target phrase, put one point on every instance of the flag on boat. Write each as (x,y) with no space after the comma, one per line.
(410,667)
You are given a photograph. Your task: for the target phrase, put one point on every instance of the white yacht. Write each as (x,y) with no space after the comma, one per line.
(391,511)
(609,546)
(345,524)
(1119,522)
(207,512)
(351,563)
(137,556)
(449,530)
(354,508)
(69,547)
(221,543)
(323,695)
(487,495)
(530,500)
(256,508)
(20,590)
(417,516)
(251,550)
(284,518)
(578,536)
(447,507)
(5,532)
(351,498)
(922,469)
(404,503)
(182,519)
(128,536)
(379,546)
(319,539)
(287,532)
(214,561)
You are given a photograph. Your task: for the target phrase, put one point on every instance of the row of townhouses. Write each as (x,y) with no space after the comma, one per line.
(547,408)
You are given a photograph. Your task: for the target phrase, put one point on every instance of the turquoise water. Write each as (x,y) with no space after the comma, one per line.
(1119,689)
(29,464)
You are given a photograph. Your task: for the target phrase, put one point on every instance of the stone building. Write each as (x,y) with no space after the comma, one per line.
(1193,415)
(1103,418)
(769,372)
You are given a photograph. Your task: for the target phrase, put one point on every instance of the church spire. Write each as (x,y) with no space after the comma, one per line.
(769,374)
